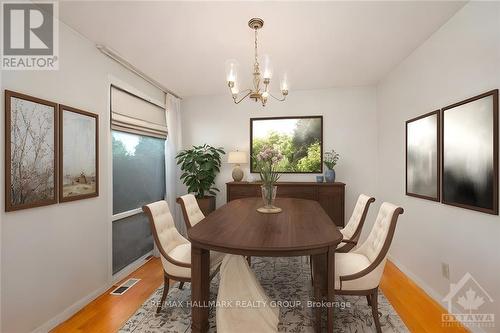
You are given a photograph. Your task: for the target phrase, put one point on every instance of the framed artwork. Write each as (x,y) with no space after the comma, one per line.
(422,156)
(31,129)
(470,153)
(299,139)
(79,154)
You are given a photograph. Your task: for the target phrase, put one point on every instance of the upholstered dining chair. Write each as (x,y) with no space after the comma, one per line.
(190,210)
(175,250)
(353,228)
(359,272)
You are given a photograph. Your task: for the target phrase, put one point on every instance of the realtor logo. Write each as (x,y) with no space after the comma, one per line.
(468,297)
(30,36)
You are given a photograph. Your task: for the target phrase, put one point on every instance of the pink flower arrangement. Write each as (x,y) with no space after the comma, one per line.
(266,160)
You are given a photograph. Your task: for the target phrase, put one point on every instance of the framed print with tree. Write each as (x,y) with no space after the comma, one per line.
(298,139)
(470,153)
(422,156)
(31,128)
(79,154)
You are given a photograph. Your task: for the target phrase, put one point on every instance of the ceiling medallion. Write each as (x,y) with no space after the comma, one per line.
(260,91)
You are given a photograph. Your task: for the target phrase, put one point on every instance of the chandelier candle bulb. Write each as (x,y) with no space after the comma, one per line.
(268,69)
(231,71)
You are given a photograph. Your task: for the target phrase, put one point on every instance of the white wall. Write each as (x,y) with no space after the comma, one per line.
(461,60)
(349,127)
(55,256)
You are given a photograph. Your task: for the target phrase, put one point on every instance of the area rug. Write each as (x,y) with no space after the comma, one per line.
(287,282)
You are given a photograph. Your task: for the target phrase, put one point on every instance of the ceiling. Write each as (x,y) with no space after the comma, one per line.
(184,45)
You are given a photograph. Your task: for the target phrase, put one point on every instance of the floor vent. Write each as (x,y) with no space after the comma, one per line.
(121,289)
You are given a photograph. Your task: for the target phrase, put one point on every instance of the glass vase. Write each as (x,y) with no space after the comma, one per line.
(269,195)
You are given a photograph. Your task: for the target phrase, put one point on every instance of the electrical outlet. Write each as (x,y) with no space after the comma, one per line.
(445,270)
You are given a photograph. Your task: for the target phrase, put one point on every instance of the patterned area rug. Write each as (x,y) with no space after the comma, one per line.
(287,281)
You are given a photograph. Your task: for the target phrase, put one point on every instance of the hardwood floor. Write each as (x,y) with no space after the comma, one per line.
(419,312)
(108,313)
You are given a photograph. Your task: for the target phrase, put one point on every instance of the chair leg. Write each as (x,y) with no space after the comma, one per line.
(249,260)
(166,283)
(181,284)
(368,300)
(374,305)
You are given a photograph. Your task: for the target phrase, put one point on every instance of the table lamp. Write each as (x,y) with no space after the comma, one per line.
(237,157)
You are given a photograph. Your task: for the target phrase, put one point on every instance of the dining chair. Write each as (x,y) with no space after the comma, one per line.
(190,210)
(175,250)
(359,272)
(353,228)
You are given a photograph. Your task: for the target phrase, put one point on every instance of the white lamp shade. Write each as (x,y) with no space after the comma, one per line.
(237,157)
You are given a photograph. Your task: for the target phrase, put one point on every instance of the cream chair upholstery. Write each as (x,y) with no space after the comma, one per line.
(353,228)
(190,210)
(359,272)
(175,250)
(238,283)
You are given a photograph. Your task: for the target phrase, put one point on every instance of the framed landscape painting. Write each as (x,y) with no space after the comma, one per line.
(30,151)
(422,156)
(470,153)
(79,161)
(299,139)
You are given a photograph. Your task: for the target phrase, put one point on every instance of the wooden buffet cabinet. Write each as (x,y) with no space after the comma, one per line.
(331,196)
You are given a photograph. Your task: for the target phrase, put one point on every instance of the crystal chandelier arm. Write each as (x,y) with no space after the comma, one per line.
(235,96)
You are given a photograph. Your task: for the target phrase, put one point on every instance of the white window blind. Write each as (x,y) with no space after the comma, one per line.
(133,114)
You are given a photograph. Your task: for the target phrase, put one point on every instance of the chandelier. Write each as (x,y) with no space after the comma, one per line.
(260,91)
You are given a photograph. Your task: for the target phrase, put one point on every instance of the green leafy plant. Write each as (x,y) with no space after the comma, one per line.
(200,166)
(331,158)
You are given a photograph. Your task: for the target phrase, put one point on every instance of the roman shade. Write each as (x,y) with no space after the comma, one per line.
(130,113)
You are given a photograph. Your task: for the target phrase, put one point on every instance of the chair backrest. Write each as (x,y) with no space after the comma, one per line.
(353,228)
(379,240)
(190,210)
(163,227)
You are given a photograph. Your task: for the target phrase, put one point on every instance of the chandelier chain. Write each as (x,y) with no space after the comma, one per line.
(256,55)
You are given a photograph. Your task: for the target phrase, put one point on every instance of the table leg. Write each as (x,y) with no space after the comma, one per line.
(200,289)
(316,273)
(331,286)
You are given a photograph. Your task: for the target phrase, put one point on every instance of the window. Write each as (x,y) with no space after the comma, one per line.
(138,146)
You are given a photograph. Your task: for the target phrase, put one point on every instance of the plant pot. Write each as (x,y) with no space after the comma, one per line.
(330,176)
(207,204)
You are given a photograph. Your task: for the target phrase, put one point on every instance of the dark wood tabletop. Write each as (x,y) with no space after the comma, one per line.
(301,228)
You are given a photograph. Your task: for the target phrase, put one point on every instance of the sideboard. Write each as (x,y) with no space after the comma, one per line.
(331,196)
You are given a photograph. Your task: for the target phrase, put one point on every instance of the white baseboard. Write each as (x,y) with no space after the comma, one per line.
(77,306)
(428,289)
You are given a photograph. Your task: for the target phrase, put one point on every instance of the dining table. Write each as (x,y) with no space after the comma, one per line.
(302,228)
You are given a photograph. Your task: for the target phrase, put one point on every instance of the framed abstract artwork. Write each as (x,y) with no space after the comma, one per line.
(299,139)
(422,156)
(79,154)
(31,128)
(470,153)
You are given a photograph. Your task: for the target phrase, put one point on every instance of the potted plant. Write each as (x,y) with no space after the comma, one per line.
(266,161)
(200,165)
(330,159)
